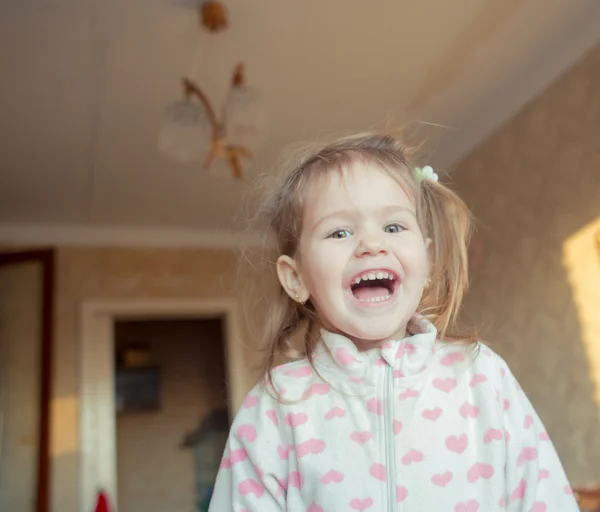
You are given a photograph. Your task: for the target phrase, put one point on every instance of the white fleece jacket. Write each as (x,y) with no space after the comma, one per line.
(416,425)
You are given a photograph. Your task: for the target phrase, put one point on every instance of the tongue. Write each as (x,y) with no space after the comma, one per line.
(370,292)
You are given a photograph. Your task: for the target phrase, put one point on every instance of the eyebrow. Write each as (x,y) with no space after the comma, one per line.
(348,213)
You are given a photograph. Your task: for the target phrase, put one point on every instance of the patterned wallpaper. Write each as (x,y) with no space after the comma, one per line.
(533,185)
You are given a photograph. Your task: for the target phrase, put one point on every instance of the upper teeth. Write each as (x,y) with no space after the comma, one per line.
(371,276)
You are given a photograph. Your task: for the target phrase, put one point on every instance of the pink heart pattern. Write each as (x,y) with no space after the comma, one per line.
(312,446)
(316,389)
(296,480)
(247,432)
(432,414)
(335,412)
(284,453)
(409,393)
(302,371)
(401,493)
(360,505)
(469,506)
(400,352)
(442,479)
(379,472)
(397,427)
(361,437)
(412,456)
(344,356)
(272,415)
(476,379)
(250,486)
(528,453)
(296,419)
(457,444)
(250,401)
(445,385)
(375,406)
(452,358)
(239,455)
(519,491)
(332,476)
(493,434)
(480,470)
(468,411)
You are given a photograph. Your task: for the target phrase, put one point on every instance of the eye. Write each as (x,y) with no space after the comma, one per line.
(394,228)
(340,233)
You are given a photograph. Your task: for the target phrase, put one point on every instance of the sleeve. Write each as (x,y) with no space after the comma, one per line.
(252,474)
(535,478)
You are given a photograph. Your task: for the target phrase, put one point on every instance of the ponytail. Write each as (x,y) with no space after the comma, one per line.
(447,222)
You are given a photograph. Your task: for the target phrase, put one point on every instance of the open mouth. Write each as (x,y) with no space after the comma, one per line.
(374,286)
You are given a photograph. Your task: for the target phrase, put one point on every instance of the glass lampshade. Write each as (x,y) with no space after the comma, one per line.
(185,134)
(245,119)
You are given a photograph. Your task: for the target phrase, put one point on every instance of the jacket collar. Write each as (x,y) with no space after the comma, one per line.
(406,357)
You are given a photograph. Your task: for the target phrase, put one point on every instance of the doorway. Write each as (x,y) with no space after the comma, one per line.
(99,423)
(171,412)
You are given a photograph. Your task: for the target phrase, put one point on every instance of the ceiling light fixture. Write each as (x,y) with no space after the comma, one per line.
(191,130)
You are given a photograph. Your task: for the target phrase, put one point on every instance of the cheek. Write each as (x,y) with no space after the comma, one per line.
(414,260)
(321,280)
(321,272)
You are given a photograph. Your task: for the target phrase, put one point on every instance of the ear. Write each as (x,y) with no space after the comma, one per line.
(289,277)
(429,247)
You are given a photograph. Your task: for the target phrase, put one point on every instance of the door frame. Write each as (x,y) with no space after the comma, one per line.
(46,258)
(97,425)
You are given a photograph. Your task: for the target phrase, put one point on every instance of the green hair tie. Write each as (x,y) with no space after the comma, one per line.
(426,172)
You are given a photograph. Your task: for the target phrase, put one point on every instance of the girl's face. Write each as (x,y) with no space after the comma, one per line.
(362,259)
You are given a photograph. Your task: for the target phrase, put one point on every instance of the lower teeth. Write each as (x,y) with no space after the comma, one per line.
(376,299)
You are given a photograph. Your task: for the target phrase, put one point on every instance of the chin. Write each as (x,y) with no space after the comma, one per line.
(370,326)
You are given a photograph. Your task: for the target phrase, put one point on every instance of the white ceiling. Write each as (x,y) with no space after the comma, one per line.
(84,84)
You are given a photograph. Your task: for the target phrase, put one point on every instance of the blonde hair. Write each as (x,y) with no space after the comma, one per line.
(442,215)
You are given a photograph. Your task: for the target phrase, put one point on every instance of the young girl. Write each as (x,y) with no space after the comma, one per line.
(391,408)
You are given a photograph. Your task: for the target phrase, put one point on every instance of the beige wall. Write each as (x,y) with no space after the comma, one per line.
(106,273)
(535,187)
(155,473)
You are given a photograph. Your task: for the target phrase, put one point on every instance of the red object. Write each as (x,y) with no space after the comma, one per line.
(102,502)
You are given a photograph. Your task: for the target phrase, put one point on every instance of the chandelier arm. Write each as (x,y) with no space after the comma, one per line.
(191,89)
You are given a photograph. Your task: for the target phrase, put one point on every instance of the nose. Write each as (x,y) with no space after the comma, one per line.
(371,244)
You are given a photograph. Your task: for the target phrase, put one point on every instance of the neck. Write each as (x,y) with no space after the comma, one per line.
(363,344)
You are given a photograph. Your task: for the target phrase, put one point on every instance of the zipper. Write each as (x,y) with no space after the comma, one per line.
(390,451)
